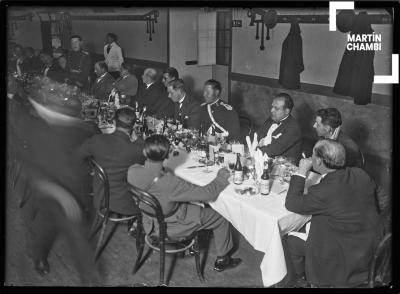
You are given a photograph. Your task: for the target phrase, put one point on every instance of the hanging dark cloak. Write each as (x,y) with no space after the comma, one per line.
(356,71)
(292,58)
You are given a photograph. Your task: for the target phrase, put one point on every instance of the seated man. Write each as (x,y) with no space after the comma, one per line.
(31,63)
(103,85)
(327,125)
(166,106)
(115,153)
(174,195)
(127,84)
(342,235)
(185,106)
(150,92)
(217,114)
(281,133)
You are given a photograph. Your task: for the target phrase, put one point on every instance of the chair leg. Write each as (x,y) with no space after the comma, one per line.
(162,263)
(197,260)
(139,247)
(96,225)
(100,245)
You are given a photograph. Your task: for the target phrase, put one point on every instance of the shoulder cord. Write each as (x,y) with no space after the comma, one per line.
(225,132)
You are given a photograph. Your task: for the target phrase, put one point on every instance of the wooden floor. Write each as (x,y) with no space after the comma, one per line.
(117,261)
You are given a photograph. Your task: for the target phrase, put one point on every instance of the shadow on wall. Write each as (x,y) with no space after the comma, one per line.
(189,86)
(358,131)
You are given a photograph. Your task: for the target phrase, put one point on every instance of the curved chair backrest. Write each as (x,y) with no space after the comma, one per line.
(150,201)
(381,265)
(102,175)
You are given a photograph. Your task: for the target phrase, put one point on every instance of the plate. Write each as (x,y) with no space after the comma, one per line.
(209,162)
(249,191)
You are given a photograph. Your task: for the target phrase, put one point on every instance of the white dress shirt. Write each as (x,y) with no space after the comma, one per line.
(268,138)
(114,58)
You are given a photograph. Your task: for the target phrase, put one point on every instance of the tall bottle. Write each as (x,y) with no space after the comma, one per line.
(116,99)
(165,124)
(179,122)
(238,171)
(264,183)
(137,112)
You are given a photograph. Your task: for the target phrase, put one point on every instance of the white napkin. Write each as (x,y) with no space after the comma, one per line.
(259,159)
(301,235)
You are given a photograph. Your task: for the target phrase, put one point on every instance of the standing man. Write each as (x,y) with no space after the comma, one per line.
(327,125)
(217,114)
(281,133)
(113,55)
(103,85)
(185,106)
(342,235)
(78,63)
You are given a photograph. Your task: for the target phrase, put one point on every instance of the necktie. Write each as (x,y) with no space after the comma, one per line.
(108,49)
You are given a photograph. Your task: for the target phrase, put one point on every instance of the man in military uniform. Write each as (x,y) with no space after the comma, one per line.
(78,63)
(218,115)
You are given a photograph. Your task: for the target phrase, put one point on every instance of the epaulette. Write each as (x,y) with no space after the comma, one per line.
(227,106)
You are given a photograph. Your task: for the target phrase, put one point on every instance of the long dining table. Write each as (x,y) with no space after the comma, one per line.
(262,220)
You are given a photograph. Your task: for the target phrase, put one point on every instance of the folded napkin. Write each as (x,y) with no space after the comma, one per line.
(259,159)
(301,235)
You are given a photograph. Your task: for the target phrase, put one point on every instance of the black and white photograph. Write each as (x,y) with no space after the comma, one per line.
(228,145)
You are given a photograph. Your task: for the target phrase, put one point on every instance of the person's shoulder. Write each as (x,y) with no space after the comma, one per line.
(346,140)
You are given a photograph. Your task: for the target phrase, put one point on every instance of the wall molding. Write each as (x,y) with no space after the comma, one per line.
(377,99)
(140,62)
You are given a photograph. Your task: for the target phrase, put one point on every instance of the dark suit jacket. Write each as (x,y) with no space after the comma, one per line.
(353,153)
(174,193)
(344,220)
(190,110)
(288,144)
(150,97)
(102,89)
(115,153)
(127,85)
(164,107)
(31,64)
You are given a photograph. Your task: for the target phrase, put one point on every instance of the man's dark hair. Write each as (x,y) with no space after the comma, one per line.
(214,84)
(102,65)
(177,85)
(330,117)
(156,147)
(288,101)
(172,72)
(113,36)
(76,37)
(125,118)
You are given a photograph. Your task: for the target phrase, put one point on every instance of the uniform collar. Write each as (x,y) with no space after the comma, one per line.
(153,165)
(148,85)
(212,103)
(101,77)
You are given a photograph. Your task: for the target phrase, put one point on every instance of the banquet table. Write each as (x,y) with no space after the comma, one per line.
(262,220)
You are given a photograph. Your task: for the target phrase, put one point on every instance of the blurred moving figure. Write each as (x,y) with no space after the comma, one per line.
(56,197)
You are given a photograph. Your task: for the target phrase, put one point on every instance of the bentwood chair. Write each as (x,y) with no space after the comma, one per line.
(104,215)
(150,206)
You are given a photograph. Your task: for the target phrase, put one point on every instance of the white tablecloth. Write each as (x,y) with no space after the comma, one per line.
(262,220)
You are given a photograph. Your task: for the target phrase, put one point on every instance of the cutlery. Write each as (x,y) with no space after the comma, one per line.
(194,166)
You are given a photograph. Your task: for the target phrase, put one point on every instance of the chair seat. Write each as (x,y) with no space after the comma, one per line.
(178,245)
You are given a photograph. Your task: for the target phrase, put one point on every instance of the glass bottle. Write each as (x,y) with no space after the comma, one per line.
(238,171)
(264,183)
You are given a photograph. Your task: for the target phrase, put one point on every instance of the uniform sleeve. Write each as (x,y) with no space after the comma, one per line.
(184,191)
(299,203)
(289,137)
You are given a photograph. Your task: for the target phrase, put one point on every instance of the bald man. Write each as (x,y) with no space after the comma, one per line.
(150,92)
